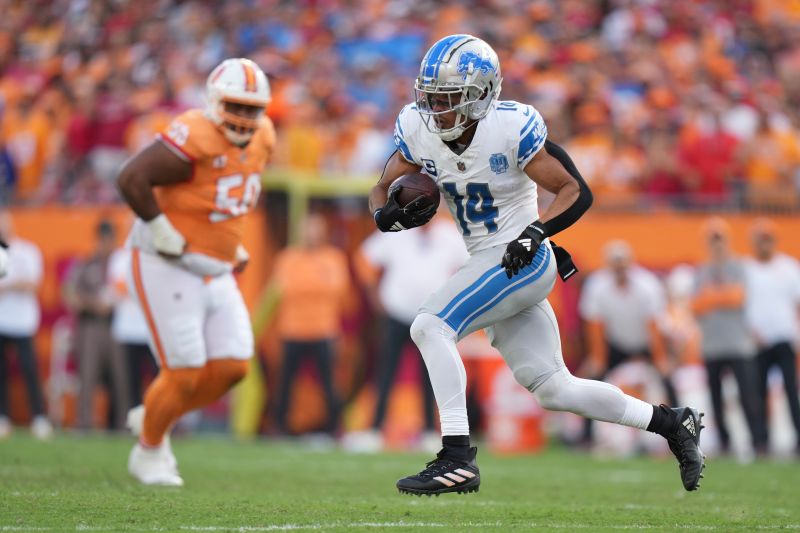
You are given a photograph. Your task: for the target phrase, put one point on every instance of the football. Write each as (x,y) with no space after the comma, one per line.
(414,185)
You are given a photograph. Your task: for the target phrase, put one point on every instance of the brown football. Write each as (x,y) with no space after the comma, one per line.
(413,186)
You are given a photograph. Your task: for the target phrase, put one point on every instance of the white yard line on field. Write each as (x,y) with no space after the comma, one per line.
(391,525)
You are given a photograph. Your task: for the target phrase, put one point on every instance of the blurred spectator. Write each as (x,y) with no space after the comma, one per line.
(19,321)
(727,345)
(592,147)
(770,163)
(89,296)
(592,68)
(773,313)
(400,270)
(662,175)
(622,305)
(707,155)
(312,280)
(24,132)
(129,327)
(680,329)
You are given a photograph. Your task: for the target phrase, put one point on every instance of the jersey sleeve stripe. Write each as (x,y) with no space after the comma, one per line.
(525,127)
(403,147)
(401,143)
(531,143)
(174,148)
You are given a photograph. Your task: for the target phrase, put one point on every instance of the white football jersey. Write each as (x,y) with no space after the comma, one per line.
(489,195)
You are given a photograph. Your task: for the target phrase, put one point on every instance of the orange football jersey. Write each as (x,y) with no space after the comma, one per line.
(225,183)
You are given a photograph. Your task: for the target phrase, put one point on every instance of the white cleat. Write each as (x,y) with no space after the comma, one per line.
(153,466)
(367,441)
(41,428)
(135,422)
(5,427)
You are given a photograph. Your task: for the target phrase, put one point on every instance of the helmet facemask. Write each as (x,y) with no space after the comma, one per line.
(434,103)
(239,120)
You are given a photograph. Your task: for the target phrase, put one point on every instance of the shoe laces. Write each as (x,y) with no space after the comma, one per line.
(435,467)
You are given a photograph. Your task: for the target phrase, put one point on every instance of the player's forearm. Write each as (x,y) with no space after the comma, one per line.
(377,197)
(564,199)
(572,199)
(138,193)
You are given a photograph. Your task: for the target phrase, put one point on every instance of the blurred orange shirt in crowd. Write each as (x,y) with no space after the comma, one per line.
(771,157)
(313,283)
(25,137)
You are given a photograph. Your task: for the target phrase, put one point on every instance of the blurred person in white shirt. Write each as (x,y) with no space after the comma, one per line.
(773,313)
(622,305)
(19,321)
(129,326)
(400,270)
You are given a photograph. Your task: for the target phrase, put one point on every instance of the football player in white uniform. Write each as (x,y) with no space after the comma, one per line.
(488,158)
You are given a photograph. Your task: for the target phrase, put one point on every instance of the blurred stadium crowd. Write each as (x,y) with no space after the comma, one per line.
(687,104)
(681,105)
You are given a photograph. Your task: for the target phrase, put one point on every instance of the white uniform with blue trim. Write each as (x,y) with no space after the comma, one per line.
(492,200)
(486,189)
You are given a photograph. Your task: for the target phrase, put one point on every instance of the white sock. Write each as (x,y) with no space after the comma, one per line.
(637,413)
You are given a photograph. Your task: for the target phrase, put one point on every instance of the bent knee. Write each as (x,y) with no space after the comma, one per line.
(229,370)
(553,392)
(184,380)
(427,326)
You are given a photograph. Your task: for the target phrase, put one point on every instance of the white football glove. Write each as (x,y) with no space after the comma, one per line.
(166,239)
(3,260)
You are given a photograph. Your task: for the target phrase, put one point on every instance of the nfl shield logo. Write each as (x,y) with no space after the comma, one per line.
(498,163)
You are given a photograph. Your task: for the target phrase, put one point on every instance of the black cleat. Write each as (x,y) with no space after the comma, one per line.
(446,473)
(684,442)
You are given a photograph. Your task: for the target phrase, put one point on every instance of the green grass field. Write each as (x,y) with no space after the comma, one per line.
(80,484)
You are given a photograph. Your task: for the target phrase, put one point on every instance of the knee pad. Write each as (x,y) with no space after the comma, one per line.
(426,326)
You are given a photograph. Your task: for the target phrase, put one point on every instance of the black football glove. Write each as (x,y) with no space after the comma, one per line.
(521,251)
(392,217)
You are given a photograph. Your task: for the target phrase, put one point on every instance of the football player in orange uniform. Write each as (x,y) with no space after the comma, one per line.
(190,189)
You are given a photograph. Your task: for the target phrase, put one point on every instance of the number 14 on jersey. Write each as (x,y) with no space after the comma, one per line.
(476,206)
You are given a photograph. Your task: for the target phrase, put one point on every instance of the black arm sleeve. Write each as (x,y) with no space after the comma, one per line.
(582,203)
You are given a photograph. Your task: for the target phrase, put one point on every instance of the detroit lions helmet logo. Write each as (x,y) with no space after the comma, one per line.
(469,62)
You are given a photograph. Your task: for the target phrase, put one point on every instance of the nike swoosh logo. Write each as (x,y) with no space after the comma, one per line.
(527,112)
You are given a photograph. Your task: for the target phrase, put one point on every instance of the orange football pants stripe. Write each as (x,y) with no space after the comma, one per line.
(151,324)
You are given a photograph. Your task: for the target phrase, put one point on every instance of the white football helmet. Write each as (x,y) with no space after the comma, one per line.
(459,73)
(237,92)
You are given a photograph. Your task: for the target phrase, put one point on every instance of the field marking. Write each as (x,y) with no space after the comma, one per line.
(388,525)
